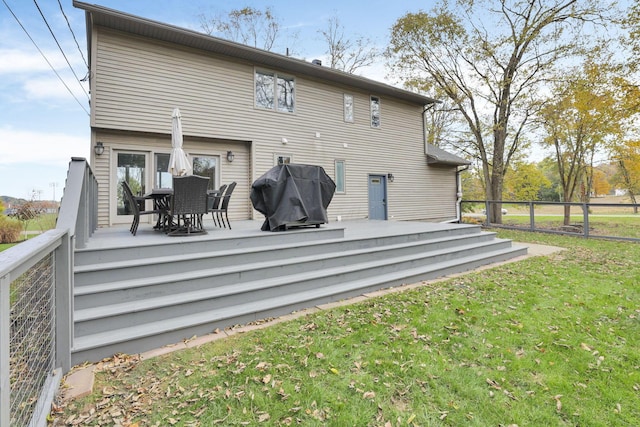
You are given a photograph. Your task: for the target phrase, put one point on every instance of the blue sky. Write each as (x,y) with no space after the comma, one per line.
(42,125)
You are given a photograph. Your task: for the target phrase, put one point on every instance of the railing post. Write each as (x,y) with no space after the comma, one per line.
(63,259)
(5,352)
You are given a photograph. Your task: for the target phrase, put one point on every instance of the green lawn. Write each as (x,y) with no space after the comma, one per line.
(548,341)
(4,246)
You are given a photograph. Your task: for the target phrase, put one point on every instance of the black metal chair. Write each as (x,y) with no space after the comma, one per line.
(215,198)
(224,206)
(188,205)
(136,206)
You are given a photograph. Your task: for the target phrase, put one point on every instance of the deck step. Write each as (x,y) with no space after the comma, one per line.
(258,288)
(135,303)
(185,268)
(208,321)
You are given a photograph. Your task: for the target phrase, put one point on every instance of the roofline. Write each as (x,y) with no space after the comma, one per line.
(438,156)
(110,18)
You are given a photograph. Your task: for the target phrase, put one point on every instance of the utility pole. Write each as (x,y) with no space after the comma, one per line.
(53,185)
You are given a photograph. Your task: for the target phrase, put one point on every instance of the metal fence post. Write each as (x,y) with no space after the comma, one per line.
(5,353)
(532,220)
(585,221)
(486,211)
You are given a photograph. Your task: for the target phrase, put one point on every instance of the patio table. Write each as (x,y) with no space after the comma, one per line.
(161,201)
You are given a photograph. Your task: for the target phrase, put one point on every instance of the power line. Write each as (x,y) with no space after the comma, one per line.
(43,55)
(73,34)
(60,47)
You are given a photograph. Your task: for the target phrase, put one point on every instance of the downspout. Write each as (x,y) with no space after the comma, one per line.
(459,193)
(424,127)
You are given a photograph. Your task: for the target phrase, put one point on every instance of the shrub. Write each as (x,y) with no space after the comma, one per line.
(10,229)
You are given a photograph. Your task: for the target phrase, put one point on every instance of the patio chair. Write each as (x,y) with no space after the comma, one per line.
(188,205)
(224,206)
(136,205)
(215,198)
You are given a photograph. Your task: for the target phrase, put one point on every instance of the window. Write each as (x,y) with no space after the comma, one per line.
(275,92)
(130,167)
(283,159)
(340,177)
(375,112)
(348,108)
(206,166)
(163,178)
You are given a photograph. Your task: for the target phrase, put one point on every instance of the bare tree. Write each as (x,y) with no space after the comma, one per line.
(490,58)
(249,26)
(346,54)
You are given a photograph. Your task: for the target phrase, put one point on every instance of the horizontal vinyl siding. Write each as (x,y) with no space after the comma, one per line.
(139,81)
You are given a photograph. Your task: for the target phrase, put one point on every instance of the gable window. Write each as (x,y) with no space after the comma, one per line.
(275,91)
(348,108)
(340,177)
(375,112)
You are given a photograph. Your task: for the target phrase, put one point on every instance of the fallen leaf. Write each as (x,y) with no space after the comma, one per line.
(369,395)
(493,384)
(558,402)
(334,370)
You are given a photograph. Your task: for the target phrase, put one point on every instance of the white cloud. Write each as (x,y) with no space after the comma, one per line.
(22,61)
(52,87)
(25,146)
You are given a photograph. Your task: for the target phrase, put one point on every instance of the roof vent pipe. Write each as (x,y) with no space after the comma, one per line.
(317,62)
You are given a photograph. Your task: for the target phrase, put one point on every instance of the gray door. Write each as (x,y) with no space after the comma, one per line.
(377,197)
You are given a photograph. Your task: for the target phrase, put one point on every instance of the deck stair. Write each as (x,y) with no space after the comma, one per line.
(132,298)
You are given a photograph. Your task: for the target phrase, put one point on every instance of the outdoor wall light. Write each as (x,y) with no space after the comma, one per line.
(230,156)
(98,149)
(390,177)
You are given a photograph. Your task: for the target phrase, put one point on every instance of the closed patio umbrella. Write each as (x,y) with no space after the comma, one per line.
(179,163)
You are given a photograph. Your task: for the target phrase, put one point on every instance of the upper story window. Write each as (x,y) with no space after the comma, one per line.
(348,108)
(340,177)
(375,112)
(275,91)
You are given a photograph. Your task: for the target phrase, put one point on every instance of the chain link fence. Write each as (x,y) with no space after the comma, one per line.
(32,338)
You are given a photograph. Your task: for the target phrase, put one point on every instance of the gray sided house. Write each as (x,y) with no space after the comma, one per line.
(262,107)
